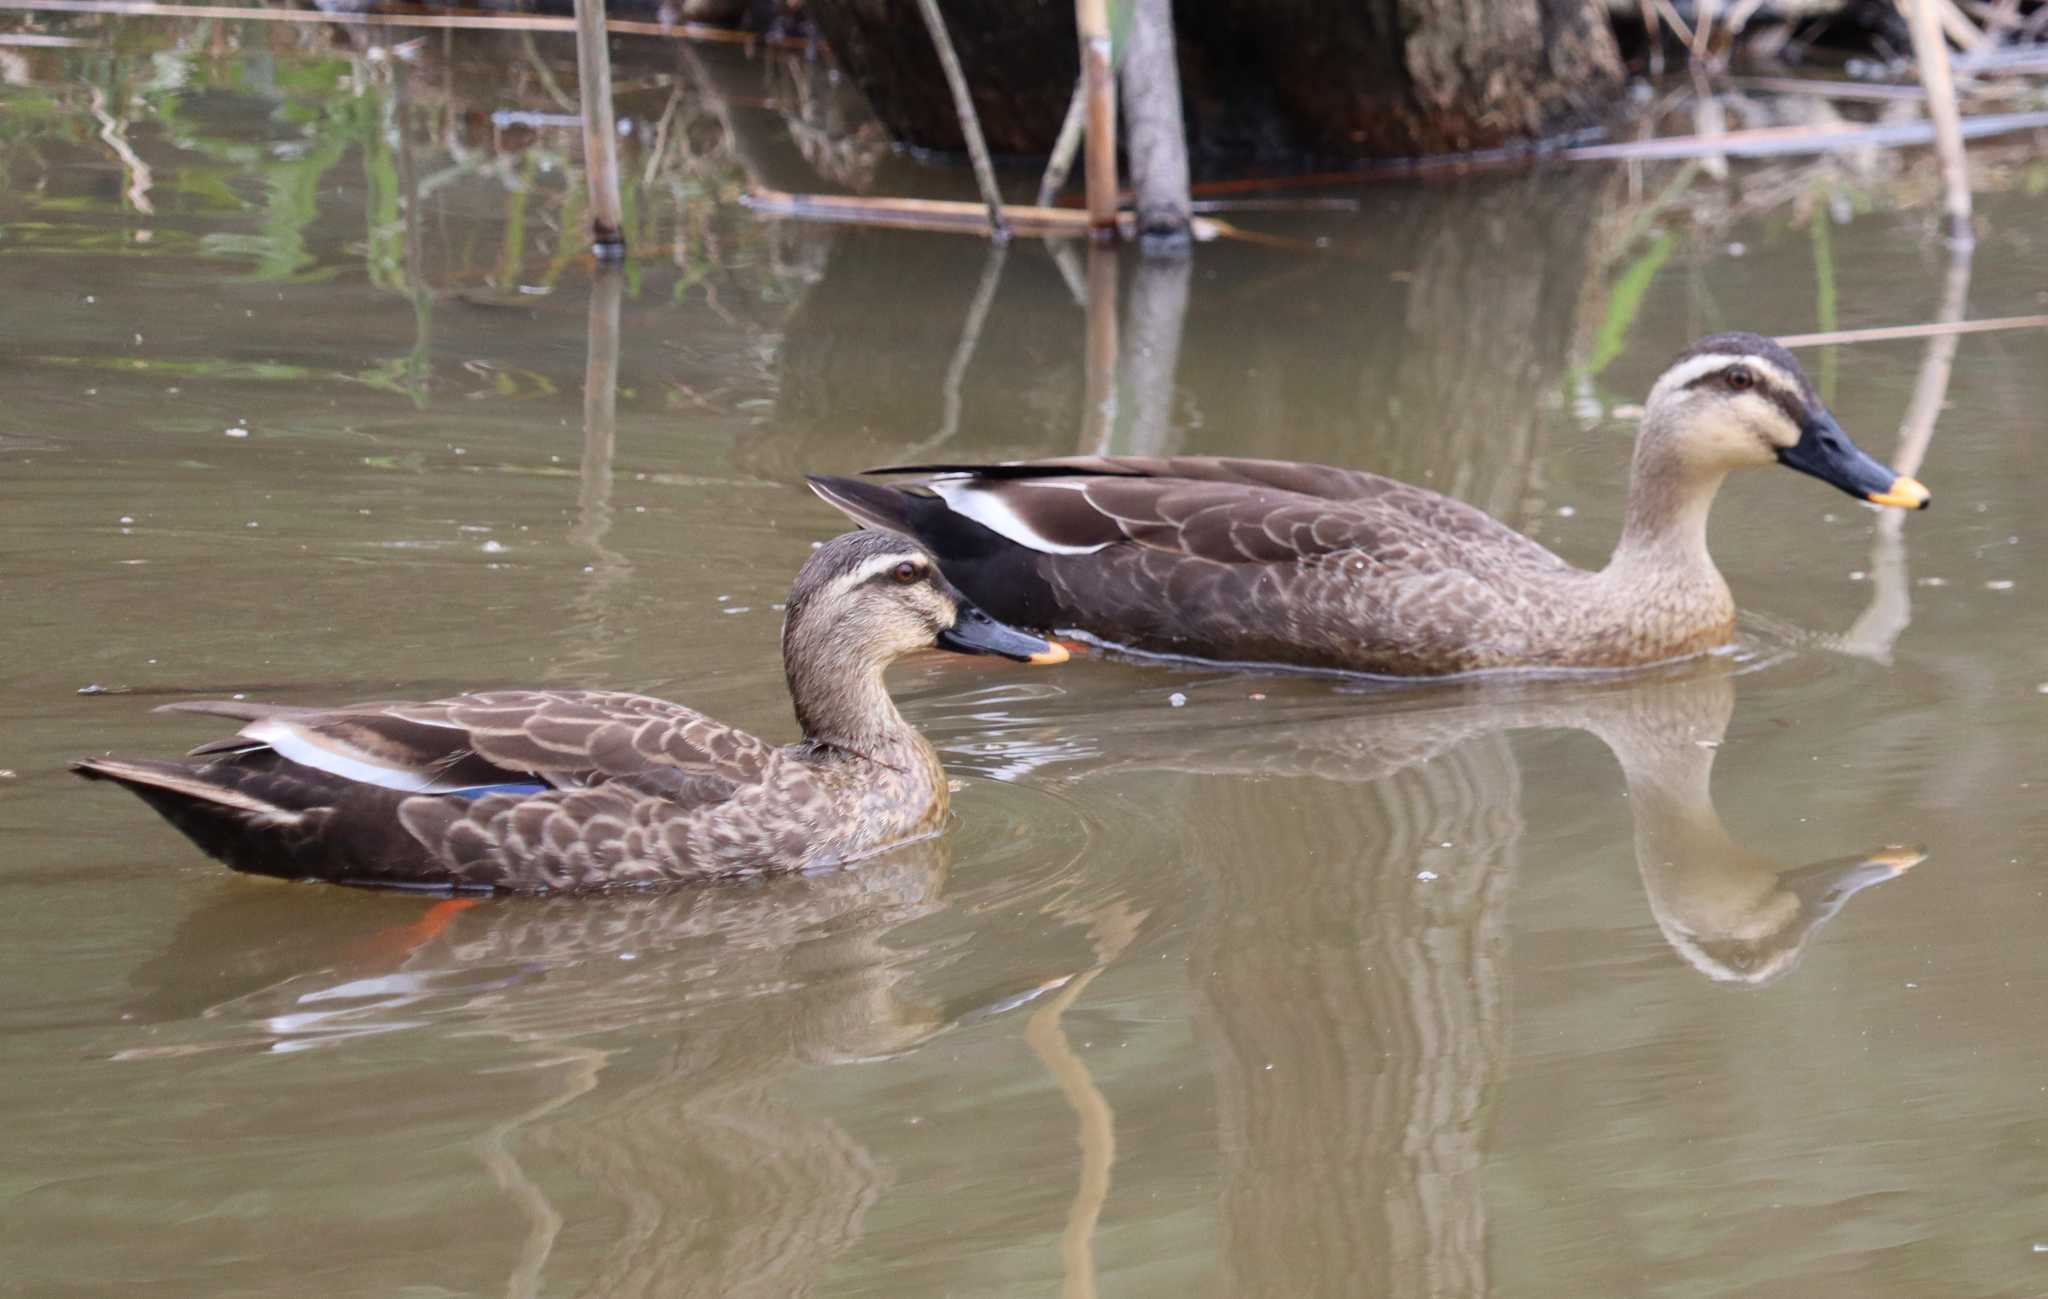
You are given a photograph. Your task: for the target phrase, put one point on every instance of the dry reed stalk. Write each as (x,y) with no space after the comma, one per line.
(600,134)
(960,217)
(486,22)
(1091,19)
(970,121)
(1061,160)
(1930,55)
(1894,333)
(1956,25)
(1762,142)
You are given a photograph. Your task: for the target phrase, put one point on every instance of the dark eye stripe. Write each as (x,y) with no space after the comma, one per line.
(1763,386)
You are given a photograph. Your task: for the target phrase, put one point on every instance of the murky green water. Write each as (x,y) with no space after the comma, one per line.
(1289,988)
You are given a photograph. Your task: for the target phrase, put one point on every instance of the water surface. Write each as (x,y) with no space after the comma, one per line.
(1223,983)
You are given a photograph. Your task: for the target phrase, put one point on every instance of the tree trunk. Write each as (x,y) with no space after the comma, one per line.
(1153,132)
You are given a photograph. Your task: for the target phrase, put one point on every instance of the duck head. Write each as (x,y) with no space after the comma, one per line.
(1738,399)
(866,599)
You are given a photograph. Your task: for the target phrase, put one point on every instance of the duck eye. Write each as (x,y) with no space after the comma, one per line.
(1741,379)
(907,572)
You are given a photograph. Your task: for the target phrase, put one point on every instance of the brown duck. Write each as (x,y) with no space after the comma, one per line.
(1266,561)
(547,790)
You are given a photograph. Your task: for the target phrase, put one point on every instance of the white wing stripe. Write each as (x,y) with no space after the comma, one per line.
(307,752)
(991,511)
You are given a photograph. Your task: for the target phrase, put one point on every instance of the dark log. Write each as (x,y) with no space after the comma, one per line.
(1261,78)
(1392,79)
(1020,62)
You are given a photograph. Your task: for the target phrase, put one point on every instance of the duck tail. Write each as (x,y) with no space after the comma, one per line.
(180,791)
(872,505)
(228,813)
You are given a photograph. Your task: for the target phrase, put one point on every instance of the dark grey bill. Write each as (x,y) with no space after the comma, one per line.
(974,632)
(1826,452)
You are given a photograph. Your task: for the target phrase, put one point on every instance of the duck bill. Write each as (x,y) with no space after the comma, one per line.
(974,632)
(1826,452)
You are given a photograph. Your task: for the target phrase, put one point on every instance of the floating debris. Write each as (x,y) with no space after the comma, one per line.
(97,689)
(234,432)
(1177,699)
(1426,876)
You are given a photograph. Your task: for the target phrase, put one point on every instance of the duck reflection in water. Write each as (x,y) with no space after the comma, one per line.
(664,1027)
(1357,861)
(1735,915)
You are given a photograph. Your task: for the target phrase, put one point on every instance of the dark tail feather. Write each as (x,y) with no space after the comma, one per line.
(871,505)
(993,571)
(179,791)
(265,815)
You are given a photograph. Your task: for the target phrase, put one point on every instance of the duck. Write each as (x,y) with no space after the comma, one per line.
(557,790)
(1279,563)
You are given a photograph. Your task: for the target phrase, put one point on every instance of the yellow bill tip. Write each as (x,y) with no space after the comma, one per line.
(1054,652)
(1904,493)
(1899,858)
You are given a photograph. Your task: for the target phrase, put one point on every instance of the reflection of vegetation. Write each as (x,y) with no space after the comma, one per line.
(1684,204)
(1624,300)
(238,140)
(1825,317)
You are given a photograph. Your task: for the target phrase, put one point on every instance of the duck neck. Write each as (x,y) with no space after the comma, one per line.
(846,706)
(1665,534)
(1660,596)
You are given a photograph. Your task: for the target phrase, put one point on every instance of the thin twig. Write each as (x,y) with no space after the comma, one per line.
(1820,89)
(1777,140)
(970,122)
(1062,160)
(1677,23)
(1892,333)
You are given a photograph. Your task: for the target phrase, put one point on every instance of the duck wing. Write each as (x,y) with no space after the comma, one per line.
(1214,557)
(474,743)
